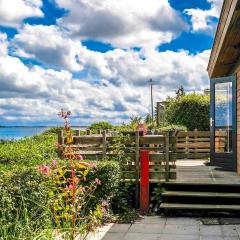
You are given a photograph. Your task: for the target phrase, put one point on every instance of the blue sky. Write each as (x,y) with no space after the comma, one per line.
(95,57)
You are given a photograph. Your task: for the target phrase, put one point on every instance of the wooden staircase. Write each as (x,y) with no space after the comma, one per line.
(201,197)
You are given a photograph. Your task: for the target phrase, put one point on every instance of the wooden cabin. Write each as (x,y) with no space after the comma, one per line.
(224,73)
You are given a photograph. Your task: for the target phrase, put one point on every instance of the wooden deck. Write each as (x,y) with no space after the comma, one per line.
(196,172)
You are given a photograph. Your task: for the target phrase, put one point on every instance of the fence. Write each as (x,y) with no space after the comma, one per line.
(161,147)
(193,145)
(165,148)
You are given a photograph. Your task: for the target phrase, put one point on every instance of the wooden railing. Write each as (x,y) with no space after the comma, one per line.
(161,147)
(165,148)
(193,145)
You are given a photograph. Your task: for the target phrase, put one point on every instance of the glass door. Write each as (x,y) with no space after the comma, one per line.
(223,122)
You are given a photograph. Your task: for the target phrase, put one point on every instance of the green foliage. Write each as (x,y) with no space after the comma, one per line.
(53,130)
(191,111)
(172,127)
(109,174)
(180,92)
(123,203)
(28,151)
(101,126)
(23,204)
(148,119)
(135,119)
(156,198)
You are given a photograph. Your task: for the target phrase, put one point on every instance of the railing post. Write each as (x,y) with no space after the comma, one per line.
(88,132)
(167,157)
(60,137)
(144,182)
(78,132)
(137,169)
(104,144)
(195,142)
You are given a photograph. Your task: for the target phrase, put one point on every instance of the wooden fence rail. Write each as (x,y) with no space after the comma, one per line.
(164,149)
(161,152)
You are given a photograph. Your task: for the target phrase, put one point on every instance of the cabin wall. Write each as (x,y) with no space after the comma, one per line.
(238,118)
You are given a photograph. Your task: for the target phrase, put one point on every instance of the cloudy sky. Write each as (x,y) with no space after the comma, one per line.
(94,57)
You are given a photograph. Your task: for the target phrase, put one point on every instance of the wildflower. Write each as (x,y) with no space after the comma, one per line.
(79,157)
(92,165)
(54,163)
(97,181)
(44,169)
(77,180)
(70,187)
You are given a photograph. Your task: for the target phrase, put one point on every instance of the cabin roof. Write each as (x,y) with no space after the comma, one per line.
(226,47)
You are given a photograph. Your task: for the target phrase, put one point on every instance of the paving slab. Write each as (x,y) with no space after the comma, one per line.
(162,228)
(211,230)
(113,236)
(178,237)
(146,228)
(181,229)
(182,221)
(152,220)
(141,236)
(229,231)
(120,228)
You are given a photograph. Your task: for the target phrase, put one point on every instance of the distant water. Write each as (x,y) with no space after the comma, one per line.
(19,132)
(7,133)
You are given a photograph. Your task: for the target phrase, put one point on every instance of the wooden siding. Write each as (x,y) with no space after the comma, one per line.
(225,51)
(238,119)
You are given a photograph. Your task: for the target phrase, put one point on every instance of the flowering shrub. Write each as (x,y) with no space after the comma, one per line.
(71,191)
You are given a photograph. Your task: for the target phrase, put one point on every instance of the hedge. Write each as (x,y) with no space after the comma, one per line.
(191,111)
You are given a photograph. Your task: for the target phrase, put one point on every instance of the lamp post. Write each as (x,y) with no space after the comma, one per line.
(151,88)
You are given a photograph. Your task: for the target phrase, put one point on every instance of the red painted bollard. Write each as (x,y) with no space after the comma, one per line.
(144,182)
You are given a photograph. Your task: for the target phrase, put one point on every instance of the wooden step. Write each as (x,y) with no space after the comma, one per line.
(200,194)
(178,183)
(181,206)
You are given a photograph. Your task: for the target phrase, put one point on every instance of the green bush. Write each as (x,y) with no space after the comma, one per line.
(23,204)
(28,151)
(109,174)
(101,126)
(24,198)
(191,111)
(172,127)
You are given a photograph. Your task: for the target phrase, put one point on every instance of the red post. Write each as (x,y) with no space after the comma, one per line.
(144,181)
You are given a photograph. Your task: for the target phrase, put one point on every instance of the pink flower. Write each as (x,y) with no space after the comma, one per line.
(54,163)
(77,180)
(92,165)
(97,181)
(70,187)
(79,157)
(63,114)
(44,169)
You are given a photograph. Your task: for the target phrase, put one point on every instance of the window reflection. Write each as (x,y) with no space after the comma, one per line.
(223,117)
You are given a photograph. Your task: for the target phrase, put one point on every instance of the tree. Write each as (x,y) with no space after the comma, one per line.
(135,119)
(180,92)
(148,119)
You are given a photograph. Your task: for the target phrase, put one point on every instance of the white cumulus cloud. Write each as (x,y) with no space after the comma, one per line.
(202,20)
(13,12)
(124,23)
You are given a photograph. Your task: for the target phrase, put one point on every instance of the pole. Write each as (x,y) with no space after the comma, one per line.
(151,84)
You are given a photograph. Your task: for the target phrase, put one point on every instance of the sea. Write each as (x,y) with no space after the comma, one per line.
(15,133)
